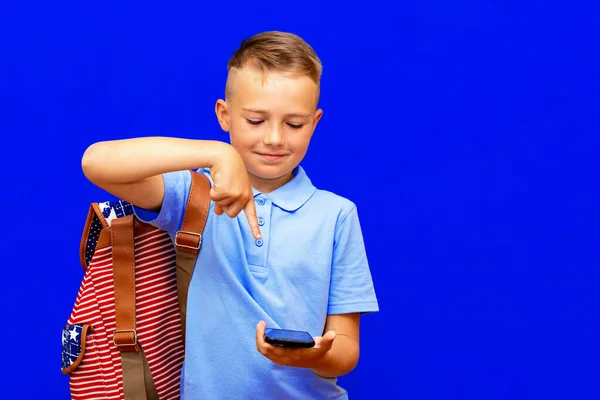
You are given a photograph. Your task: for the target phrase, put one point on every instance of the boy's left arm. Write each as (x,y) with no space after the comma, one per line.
(342,358)
(334,354)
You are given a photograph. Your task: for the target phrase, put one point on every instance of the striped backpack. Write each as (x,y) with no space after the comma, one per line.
(124,339)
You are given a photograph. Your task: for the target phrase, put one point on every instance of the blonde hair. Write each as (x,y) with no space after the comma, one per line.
(276,51)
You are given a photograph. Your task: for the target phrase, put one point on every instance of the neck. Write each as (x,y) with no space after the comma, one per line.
(269,185)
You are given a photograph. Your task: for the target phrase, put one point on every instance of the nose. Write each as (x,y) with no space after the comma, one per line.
(274,136)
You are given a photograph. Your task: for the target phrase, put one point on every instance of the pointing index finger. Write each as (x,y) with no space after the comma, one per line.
(250,211)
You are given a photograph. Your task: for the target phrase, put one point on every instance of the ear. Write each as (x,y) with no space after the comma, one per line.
(222,111)
(317,118)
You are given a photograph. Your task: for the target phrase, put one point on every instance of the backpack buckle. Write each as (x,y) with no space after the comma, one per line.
(122,342)
(192,240)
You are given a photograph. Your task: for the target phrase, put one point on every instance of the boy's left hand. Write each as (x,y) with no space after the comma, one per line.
(302,358)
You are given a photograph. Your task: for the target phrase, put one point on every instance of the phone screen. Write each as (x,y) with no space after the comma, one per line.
(287,334)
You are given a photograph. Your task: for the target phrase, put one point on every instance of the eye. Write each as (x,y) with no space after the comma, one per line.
(295,126)
(254,121)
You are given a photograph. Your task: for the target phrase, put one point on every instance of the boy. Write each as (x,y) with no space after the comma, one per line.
(285,254)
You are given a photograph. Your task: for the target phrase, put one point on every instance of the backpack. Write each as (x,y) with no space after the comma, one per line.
(125,337)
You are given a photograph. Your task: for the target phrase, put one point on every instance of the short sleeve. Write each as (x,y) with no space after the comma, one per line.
(351,288)
(170,217)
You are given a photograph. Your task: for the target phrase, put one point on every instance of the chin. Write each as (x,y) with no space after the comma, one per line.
(270,172)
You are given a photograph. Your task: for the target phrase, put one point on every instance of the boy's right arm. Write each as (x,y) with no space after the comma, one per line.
(131,169)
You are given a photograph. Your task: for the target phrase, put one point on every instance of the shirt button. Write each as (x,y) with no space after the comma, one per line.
(261,221)
(259,242)
(261,202)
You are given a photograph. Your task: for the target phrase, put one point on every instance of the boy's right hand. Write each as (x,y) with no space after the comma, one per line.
(231,189)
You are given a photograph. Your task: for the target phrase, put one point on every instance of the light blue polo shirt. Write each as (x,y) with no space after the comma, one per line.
(310,262)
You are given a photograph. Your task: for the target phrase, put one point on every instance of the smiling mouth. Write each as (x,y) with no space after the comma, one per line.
(271,156)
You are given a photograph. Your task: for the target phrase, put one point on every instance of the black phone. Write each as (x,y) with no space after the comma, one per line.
(289,338)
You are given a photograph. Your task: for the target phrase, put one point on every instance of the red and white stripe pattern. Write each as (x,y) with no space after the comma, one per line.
(99,375)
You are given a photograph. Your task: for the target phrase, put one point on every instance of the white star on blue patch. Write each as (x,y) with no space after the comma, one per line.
(71,344)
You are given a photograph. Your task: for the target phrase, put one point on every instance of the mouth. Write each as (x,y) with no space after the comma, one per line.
(272,156)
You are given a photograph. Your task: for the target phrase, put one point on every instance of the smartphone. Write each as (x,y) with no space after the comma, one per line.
(289,338)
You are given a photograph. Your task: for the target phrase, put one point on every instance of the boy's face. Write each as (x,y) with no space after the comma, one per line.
(270,120)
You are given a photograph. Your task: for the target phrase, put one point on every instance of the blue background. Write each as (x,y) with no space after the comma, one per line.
(466,132)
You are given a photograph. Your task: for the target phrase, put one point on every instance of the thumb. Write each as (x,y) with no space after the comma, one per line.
(328,339)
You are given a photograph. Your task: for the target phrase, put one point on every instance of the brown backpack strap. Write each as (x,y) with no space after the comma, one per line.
(137,380)
(189,239)
(123,259)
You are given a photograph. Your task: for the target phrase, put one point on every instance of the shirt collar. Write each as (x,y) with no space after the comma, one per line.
(293,194)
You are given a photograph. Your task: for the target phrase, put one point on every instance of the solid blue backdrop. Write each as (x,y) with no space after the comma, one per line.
(465,131)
